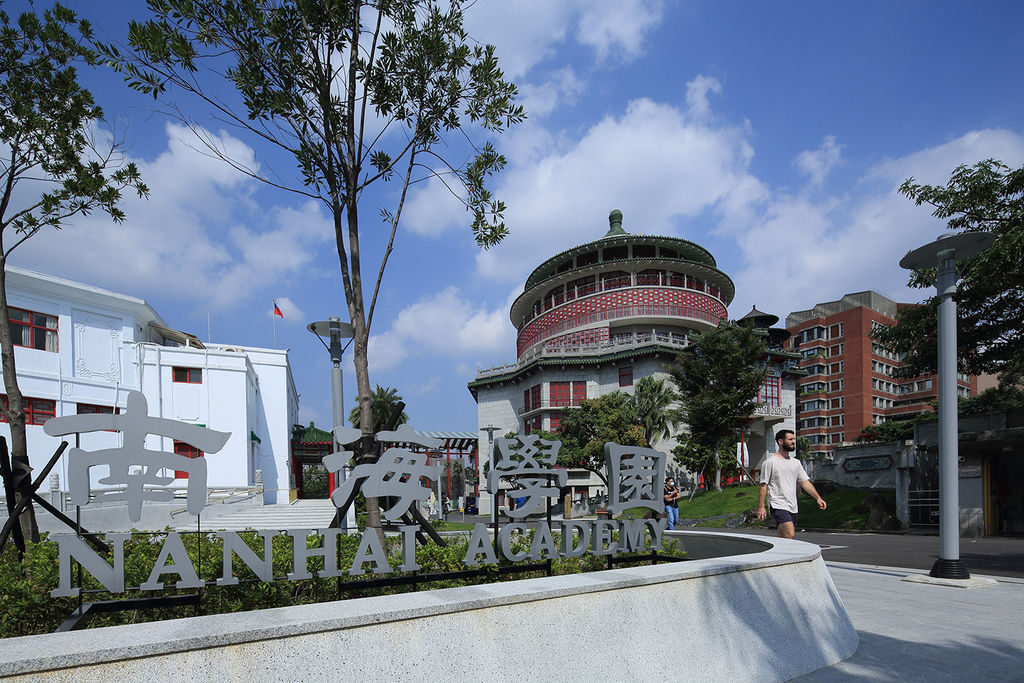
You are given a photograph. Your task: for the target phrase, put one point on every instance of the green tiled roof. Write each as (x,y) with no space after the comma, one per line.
(311,434)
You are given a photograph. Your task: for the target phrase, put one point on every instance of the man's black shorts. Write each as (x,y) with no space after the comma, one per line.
(783,516)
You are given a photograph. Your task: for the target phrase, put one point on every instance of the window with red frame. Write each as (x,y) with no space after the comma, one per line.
(189,451)
(33,330)
(187,375)
(771,391)
(526,400)
(556,423)
(560,394)
(579,393)
(626,376)
(535,397)
(534,424)
(37,410)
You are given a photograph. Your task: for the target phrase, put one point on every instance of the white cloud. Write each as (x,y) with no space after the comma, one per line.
(200,232)
(654,162)
(527,32)
(797,251)
(447,324)
(617,28)
(560,88)
(697,95)
(816,164)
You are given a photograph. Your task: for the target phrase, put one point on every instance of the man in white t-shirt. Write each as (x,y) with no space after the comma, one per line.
(781,473)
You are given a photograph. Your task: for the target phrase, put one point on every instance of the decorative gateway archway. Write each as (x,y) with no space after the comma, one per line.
(309,445)
(458,454)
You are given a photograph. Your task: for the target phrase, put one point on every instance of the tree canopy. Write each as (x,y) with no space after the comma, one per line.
(357,93)
(652,400)
(585,430)
(50,169)
(386,402)
(718,376)
(988,196)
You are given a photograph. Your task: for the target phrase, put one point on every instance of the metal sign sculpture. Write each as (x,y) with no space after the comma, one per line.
(132,465)
(636,479)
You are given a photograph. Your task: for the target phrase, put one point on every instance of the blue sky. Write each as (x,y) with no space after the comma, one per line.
(774,134)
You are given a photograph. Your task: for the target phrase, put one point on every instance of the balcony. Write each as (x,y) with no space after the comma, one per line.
(623,342)
(611,283)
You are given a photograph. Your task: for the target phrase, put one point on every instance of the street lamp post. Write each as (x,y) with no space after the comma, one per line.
(334,331)
(945,252)
(490,458)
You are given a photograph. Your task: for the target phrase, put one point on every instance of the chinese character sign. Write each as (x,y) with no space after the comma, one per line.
(636,477)
(132,465)
(529,461)
(397,473)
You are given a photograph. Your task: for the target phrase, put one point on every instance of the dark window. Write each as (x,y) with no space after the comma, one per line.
(37,410)
(535,396)
(643,250)
(92,409)
(669,253)
(626,376)
(188,375)
(526,401)
(189,451)
(616,253)
(564,266)
(586,259)
(33,330)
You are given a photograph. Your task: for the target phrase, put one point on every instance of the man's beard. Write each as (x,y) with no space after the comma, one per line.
(788,448)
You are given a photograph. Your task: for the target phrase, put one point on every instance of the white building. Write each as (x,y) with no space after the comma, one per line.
(81,349)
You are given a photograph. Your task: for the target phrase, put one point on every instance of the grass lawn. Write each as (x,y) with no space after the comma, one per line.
(738,500)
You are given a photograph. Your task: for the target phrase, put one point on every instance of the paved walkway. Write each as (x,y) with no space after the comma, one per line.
(302,514)
(921,632)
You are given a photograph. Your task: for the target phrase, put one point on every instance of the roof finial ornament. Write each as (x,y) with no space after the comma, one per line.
(615,224)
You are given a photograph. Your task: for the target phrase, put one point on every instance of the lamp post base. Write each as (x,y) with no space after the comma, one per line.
(949,569)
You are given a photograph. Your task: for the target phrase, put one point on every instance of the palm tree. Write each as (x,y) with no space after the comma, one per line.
(651,399)
(385,402)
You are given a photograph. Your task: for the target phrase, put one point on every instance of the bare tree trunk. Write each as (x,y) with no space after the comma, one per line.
(15,414)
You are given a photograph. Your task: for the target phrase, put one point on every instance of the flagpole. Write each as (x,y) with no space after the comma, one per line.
(275,329)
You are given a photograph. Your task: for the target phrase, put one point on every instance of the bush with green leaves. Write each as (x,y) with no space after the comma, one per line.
(26,582)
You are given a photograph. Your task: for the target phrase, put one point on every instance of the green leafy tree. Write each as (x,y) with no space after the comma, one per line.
(50,169)
(357,93)
(386,402)
(585,430)
(803,447)
(897,430)
(652,400)
(996,399)
(696,457)
(988,196)
(718,377)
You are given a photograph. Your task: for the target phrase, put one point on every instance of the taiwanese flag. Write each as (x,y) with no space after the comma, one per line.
(277,311)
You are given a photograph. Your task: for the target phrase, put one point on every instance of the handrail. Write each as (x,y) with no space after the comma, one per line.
(592,349)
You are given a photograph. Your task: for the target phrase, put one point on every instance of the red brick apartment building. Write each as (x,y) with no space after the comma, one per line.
(849,382)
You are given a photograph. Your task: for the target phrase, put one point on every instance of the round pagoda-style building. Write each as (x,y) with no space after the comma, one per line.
(617,289)
(595,318)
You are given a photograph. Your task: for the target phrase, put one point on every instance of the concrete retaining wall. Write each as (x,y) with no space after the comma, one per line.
(772,613)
